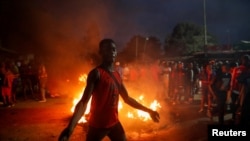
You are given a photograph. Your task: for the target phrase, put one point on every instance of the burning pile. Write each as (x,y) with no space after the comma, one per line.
(126,113)
(144,116)
(134,114)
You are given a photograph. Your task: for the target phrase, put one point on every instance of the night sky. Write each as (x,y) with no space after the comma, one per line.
(39,22)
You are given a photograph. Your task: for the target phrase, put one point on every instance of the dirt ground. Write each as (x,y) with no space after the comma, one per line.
(30,120)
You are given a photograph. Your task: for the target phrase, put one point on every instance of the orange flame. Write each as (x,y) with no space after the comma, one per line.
(133,114)
(141,114)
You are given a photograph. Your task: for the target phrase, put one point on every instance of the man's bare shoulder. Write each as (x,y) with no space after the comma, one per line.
(93,74)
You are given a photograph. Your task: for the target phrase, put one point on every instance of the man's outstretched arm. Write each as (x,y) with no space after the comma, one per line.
(80,107)
(133,103)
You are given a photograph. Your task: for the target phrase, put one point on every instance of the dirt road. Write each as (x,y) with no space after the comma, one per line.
(30,120)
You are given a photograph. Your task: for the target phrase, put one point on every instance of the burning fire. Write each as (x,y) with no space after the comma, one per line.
(83,78)
(144,116)
(132,114)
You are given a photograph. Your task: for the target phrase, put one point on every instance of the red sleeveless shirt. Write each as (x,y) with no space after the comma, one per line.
(105,98)
(236,73)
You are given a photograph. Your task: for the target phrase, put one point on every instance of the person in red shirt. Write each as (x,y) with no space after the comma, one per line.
(235,86)
(205,77)
(6,87)
(42,81)
(105,85)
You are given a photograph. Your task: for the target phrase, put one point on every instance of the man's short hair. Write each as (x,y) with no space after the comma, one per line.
(104,43)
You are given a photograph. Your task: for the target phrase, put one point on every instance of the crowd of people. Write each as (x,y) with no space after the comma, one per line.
(223,84)
(219,82)
(24,78)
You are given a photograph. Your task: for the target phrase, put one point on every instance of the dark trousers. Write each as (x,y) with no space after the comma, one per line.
(115,133)
(245,114)
(221,105)
(234,106)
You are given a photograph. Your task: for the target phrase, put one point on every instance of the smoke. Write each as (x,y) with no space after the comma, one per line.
(65,33)
(62,32)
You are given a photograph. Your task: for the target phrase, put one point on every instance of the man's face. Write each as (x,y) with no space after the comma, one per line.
(109,52)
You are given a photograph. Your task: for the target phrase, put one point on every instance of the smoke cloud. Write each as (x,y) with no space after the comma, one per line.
(63,32)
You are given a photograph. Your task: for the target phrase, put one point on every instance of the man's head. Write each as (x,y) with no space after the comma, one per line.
(107,50)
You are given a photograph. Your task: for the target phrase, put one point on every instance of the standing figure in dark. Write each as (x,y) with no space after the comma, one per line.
(179,89)
(220,86)
(42,80)
(104,85)
(236,86)
(205,77)
(25,71)
(190,83)
(244,97)
(6,87)
(16,80)
(172,82)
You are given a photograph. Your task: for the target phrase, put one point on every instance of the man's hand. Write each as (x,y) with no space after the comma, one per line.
(154,115)
(64,136)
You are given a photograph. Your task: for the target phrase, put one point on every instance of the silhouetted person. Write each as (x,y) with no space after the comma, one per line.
(221,86)
(236,86)
(7,86)
(42,81)
(244,97)
(207,96)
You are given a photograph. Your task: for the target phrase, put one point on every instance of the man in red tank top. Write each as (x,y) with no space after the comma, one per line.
(105,85)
